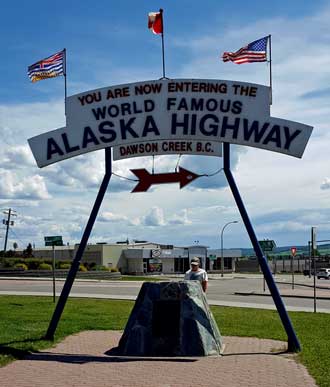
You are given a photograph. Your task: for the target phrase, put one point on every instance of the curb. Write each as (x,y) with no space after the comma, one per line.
(282,295)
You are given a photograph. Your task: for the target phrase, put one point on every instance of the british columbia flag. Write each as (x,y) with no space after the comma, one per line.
(50,67)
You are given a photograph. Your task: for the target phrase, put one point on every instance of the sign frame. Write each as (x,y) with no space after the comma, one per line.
(55,240)
(267,245)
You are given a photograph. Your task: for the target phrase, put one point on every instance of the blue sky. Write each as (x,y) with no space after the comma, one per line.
(108,43)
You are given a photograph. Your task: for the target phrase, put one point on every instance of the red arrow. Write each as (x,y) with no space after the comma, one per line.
(183,177)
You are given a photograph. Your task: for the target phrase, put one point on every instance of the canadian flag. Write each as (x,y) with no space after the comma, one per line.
(155,22)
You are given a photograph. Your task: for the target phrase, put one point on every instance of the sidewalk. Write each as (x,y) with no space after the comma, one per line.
(81,361)
(298,291)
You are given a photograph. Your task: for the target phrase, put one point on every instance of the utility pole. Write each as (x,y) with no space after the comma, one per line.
(8,223)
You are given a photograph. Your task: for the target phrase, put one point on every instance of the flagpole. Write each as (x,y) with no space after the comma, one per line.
(270,70)
(163,51)
(65,86)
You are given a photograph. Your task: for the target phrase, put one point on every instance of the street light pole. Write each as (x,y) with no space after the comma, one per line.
(222,258)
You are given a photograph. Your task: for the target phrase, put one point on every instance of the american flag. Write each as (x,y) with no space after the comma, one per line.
(50,67)
(253,52)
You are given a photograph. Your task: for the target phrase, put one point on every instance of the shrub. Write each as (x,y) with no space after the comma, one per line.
(28,252)
(7,263)
(45,266)
(8,253)
(90,265)
(68,261)
(65,266)
(21,266)
(114,270)
(100,268)
(33,263)
(82,268)
(59,264)
(11,262)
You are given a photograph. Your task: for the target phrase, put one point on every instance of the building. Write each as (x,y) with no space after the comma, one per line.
(62,253)
(142,257)
(229,257)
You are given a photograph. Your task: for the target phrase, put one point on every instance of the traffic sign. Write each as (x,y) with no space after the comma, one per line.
(293,251)
(267,245)
(53,240)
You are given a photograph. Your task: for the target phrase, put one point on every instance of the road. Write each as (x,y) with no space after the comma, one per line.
(221,291)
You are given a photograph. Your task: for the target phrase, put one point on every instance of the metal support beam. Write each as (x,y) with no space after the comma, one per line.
(293,342)
(76,262)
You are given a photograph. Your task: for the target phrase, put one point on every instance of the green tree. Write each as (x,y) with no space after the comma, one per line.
(28,252)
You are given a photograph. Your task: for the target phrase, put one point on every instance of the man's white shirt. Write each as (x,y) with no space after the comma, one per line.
(199,275)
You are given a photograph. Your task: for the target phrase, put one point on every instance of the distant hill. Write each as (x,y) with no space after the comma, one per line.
(286,250)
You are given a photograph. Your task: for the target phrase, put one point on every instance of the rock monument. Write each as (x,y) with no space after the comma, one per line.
(171,319)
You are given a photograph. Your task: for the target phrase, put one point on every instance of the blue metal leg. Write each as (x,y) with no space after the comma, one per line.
(293,342)
(76,262)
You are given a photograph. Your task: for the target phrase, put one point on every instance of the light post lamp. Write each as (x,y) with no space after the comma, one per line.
(222,258)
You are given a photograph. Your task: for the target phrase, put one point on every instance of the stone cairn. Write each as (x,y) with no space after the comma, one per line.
(171,319)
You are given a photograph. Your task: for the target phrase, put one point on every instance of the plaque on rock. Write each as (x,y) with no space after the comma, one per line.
(171,319)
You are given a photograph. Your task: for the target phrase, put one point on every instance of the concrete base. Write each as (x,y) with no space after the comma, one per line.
(171,319)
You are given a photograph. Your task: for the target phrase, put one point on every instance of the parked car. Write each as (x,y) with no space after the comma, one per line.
(323,273)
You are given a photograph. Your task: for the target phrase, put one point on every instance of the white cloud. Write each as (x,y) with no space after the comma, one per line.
(21,121)
(31,187)
(84,171)
(117,218)
(155,217)
(19,156)
(325,184)
(180,218)
(288,226)
(21,203)
(34,187)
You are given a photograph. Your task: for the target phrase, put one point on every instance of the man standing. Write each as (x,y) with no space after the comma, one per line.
(196,273)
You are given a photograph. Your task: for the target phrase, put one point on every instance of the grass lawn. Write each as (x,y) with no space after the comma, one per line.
(24,320)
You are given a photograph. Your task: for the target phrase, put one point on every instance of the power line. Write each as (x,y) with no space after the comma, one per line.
(124,177)
(16,236)
(212,174)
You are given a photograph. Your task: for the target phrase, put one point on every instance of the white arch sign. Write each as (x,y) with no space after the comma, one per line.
(176,110)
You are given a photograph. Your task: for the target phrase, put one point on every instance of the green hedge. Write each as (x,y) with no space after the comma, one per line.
(42,263)
(65,266)
(82,268)
(33,263)
(100,268)
(44,266)
(21,266)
